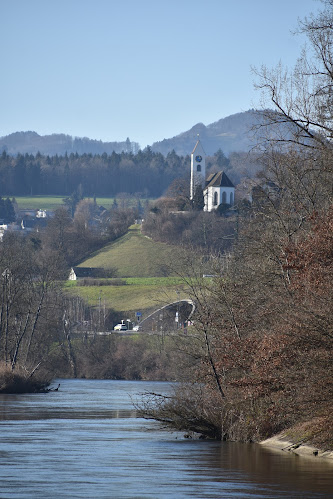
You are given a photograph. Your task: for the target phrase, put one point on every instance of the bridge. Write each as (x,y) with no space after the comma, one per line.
(170,317)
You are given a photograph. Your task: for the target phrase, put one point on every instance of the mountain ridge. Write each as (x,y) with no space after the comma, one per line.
(31,142)
(231,134)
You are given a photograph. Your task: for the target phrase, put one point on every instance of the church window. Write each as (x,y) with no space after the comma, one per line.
(224,197)
(215,198)
(198,168)
(231,198)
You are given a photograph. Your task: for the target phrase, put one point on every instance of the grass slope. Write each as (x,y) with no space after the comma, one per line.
(145,267)
(134,255)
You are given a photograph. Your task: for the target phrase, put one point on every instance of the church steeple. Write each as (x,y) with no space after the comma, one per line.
(217,188)
(198,168)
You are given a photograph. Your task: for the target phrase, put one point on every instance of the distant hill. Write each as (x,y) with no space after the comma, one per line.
(32,143)
(231,134)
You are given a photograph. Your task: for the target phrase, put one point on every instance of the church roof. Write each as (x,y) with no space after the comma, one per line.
(218,179)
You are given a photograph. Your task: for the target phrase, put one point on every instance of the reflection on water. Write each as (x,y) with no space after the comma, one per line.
(86,441)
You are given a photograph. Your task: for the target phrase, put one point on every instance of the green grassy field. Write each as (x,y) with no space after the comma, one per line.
(53,202)
(129,298)
(50,202)
(38,202)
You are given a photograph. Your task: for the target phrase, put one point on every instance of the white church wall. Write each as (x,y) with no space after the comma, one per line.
(229,195)
(214,196)
(210,194)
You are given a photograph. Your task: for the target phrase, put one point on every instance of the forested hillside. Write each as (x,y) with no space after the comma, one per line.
(147,173)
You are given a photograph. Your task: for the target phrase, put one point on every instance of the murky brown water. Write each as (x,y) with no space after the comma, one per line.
(85,441)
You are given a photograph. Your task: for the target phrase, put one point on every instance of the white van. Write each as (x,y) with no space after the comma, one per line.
(120,327)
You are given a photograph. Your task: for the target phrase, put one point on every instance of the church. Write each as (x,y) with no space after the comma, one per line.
(217,187)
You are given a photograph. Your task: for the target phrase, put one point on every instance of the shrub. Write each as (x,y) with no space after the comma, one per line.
(18,381)
(89,281)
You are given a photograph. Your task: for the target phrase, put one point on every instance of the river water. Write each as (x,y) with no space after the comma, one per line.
(85,441)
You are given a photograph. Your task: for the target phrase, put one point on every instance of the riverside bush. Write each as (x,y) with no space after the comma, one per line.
(19,381)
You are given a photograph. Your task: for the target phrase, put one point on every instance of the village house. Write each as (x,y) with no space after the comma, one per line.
(77,273)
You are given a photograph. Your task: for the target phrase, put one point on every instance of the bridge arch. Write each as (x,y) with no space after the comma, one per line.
(166,316)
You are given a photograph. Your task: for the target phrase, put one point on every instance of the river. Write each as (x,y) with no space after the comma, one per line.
(85,441)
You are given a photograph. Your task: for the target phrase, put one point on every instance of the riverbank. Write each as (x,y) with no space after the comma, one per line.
(283,442)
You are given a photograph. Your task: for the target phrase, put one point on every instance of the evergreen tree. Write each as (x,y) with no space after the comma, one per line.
(73,199)
(2,209)
(9,211)
(221,160)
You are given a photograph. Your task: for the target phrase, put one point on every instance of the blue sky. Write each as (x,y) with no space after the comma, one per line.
(143,69)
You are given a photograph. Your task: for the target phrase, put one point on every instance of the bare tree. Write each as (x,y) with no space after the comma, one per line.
(302,98)
(29,277)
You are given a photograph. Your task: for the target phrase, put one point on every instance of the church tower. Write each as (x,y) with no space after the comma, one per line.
(198,168)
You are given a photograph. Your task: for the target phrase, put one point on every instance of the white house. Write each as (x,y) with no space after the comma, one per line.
(41,214)
(217,188)
(3,228)
(72,275)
